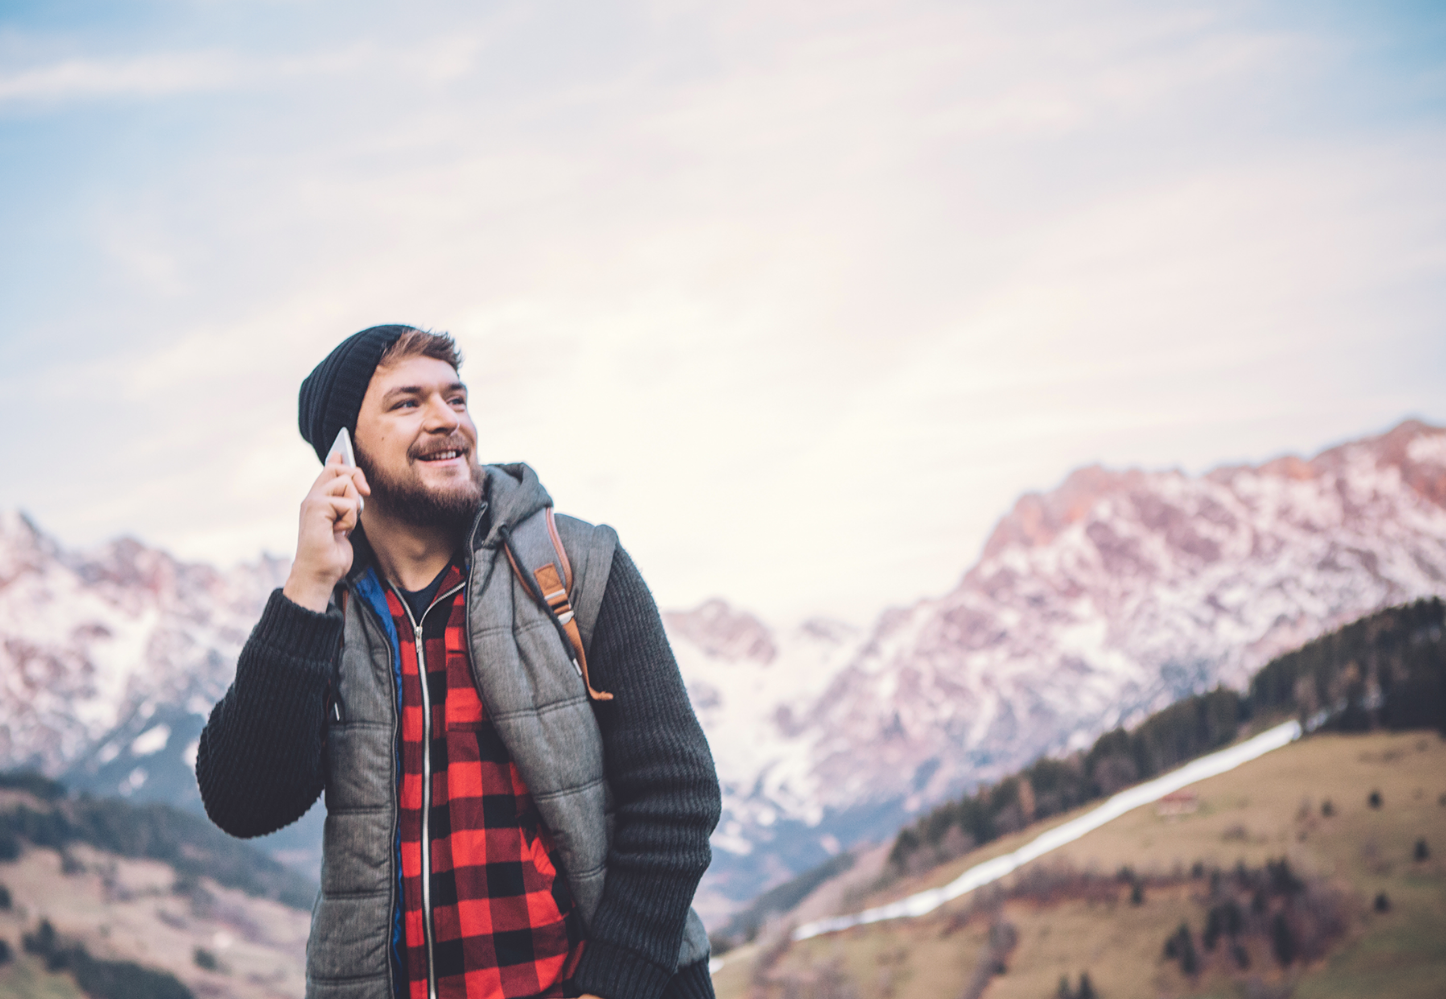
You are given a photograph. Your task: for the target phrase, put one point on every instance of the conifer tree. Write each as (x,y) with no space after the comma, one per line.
(1282,940)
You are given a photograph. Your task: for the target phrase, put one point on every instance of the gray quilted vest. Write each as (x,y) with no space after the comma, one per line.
(533,695)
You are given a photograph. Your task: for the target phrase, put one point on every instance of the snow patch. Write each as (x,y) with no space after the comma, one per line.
(1428,449)
(152,740)
(134,781)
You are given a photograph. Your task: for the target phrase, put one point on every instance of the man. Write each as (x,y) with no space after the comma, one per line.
(501,822)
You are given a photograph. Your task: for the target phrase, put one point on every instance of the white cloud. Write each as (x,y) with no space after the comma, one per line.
(187,73)
(146,76)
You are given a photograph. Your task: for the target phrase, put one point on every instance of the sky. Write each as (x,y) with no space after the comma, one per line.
(799,297)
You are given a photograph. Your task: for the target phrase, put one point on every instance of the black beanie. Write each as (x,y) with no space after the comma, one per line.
(331,396)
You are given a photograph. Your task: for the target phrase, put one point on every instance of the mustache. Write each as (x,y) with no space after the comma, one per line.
(452,442)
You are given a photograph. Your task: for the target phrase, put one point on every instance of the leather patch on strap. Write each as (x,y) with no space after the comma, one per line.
(551,584)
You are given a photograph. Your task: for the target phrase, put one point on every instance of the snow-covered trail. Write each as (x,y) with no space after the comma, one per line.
(1127,800)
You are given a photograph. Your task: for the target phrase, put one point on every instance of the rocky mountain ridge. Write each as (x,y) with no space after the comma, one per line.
(1091,605)
(93,643)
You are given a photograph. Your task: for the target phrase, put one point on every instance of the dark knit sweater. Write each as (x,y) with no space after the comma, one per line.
(260,767)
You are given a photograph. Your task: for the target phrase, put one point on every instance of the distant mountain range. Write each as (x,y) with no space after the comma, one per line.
(1091,605)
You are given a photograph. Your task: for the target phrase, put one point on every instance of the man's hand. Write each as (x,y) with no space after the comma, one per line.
(329,513)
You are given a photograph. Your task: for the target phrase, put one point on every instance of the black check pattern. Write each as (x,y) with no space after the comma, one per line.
(503,921)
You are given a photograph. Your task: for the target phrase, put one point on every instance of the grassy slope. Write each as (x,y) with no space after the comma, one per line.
(26,978)
(126,909)
(1251,814)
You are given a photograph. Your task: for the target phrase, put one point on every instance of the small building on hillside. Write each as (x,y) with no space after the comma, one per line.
(1182,802)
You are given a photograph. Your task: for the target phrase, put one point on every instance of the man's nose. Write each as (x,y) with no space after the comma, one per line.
(441,417)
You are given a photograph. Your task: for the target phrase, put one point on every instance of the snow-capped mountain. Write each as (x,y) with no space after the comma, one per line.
(753,689)
(1106,598)
(111,659)
(91,642)
(1091,604)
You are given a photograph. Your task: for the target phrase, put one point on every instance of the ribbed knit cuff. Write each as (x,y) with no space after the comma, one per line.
(691,982)
(614,973)
(297,632)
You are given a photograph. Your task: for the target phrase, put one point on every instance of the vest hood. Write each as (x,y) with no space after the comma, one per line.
(513,495)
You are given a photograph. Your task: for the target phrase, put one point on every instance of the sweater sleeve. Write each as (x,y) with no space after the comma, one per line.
(666,793)
(259,764)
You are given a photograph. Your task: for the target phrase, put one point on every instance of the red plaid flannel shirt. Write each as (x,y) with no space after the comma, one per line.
(504,924)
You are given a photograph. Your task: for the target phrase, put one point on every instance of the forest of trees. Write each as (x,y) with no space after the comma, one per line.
(189,843)
(1387,670)
(101,979)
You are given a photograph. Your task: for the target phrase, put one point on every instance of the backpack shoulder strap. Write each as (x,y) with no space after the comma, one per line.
(539,560)
(590,548)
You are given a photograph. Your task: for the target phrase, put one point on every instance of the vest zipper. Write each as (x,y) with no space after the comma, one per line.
(427,930)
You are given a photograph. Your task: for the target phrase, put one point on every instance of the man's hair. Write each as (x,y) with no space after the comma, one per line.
(421,343)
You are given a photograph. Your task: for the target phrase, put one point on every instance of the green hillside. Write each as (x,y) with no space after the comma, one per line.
(1263,829)
(1312,871)
(113,900)
(43,814)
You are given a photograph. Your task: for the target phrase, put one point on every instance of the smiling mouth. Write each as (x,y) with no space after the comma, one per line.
(442,455)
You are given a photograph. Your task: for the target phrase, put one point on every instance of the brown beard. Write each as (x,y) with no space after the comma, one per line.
(413,503)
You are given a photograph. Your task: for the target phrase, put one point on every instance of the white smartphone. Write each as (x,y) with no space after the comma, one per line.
(342,446)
